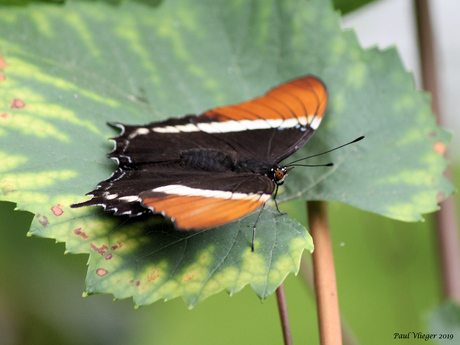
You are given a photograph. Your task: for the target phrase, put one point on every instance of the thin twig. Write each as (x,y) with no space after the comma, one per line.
(447,231)
(324,275)
(282,307)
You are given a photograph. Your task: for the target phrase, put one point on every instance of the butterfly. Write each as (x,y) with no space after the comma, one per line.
(202,171)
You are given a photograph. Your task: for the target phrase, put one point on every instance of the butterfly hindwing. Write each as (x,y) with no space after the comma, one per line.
(228,198)
(193,201)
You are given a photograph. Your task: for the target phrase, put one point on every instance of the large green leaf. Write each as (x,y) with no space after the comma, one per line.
(70,69)
(148,260)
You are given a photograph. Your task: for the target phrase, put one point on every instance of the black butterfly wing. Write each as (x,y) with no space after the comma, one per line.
(192,200)
(194,169)
(269,128)
(274,126)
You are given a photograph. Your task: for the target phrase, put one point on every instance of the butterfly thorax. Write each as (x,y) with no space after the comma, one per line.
(216,161)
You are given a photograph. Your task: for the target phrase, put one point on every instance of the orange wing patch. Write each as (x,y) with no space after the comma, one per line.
(303,97)
(198,212)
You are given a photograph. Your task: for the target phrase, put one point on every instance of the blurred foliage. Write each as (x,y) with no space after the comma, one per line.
(27,2)
(444,323)
(346,6)
(151,3)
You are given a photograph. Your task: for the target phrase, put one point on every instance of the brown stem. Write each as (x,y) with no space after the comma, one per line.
(324,275)
(447,232)
(306,272)
(282,307)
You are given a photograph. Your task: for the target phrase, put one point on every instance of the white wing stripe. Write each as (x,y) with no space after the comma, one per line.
(239,126)
(208,193)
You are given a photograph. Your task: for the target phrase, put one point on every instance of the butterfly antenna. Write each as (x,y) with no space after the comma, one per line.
(323,153)
(311,165)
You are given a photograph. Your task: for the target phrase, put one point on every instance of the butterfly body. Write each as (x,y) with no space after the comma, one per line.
(207,170)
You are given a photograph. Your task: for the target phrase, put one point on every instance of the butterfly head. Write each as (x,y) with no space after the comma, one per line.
(279,174)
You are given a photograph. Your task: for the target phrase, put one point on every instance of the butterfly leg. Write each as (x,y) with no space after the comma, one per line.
(254,227)
(276,202)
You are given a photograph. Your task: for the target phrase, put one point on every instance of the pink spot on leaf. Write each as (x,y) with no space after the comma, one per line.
(117,246)
(3,64)
(57,210)
(440,147)
(17,104)
(101,272)
(440,197)
(80,233)
(44,221)
(101,250)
